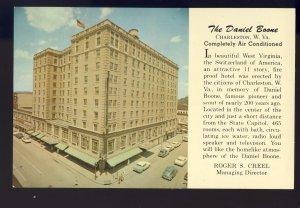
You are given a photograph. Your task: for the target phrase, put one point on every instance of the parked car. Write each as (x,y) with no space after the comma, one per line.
(19,135)
(163,152)
(185,139)
(170,146)
(141,166)
(180,161)
(26,139)
(176,144)
(169,173)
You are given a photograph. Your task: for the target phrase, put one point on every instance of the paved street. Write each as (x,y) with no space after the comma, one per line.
(152,177)
(36,166)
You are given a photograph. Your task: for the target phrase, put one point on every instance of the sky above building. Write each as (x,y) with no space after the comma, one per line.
(36,28)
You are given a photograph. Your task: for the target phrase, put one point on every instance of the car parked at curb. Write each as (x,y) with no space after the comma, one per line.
(26,139)
(163,152)
(141,166)
(176,144)
(185,139)
(180,161)
(170,146)
(169,173)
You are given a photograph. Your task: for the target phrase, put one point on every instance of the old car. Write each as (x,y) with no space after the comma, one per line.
(26,139)
(176,144)
(141,166)
(163,152)
(169,173)
(180,161)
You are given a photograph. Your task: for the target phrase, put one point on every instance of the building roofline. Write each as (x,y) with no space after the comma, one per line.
(108,22)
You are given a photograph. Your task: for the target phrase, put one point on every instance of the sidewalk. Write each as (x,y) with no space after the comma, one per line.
(107,178)
(103,179)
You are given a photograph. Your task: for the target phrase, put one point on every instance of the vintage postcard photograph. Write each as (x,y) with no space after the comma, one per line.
(100,97)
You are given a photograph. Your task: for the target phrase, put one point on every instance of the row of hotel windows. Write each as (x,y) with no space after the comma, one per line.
(50,59)
(22,116)
(114,42)
(137,51)
(112,127)
(114,79)
(114,55)
(113,103)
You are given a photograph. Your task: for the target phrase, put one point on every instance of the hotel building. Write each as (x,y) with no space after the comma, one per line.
(105,98)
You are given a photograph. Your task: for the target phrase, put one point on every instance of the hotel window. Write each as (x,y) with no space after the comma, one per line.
(65,134)
(76,59)
(84,142)
(87,44)
(84,124)
(112,38)
(97,90)
(84,101)
(123,125)
(124,102)
(75,91)
(97,77)
(86,56)
(56,131)
(95,127)
(86,68)
(49,128)
(96,102)
(125,70)
(124,92)
(85,91)
(76,80)
(110,146)
(98,52)
(95,145)
(133,50)
(96,115)
(98,39)
(84,113)
(85,79)
(97,65)
(77,48)
(75,140)
(124,114)
(126,46)
(76,70)
(123,142)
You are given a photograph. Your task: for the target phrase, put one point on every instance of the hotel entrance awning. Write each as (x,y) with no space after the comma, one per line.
(61,146)
(30,132)
(39,136)
(35,133)
(123,156)
(82,156)
(49,140)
